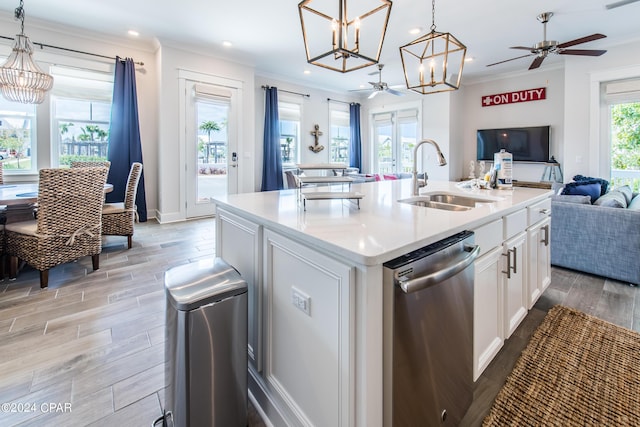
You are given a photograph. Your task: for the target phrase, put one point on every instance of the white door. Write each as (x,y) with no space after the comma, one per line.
(395,134)
(211,146)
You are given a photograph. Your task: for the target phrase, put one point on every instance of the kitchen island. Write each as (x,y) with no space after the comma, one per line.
(318,313)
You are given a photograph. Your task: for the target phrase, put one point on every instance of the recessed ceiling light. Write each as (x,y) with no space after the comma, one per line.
(226,43)
(417,30)
(133,33)
(307,72)
(468,59)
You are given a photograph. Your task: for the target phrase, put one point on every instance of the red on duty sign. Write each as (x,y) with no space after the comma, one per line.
(513,97)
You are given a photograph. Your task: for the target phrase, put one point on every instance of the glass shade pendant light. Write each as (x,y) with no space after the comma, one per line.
(433,62)
(21,80)
(343,35)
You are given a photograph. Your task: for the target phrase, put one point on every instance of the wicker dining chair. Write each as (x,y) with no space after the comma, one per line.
(68,225)
(118,218)
(86,164)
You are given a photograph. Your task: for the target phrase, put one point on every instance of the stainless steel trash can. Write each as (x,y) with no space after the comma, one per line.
(206,346)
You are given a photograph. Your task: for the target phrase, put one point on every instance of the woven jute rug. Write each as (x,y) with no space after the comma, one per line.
(577,370)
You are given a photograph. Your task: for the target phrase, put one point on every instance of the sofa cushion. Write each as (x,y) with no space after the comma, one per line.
(567,198)
(613,199)
(627,192)
(635,203)
(583,188)
(604,184)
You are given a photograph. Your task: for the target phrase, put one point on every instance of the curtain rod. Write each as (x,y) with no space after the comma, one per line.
(42,45)
(343,102)
(306,95)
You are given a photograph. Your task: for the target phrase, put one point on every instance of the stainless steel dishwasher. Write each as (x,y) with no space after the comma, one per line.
(432,333)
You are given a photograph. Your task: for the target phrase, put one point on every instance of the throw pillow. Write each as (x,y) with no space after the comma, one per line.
(604,184)
(635,203)
(583,200)
(613,199)
(627,192)
(583,189)
(389,177)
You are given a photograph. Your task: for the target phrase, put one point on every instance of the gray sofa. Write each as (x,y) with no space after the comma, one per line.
(599,240)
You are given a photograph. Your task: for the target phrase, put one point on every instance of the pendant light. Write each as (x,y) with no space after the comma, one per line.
(343,38)
(21,80)
(433,62)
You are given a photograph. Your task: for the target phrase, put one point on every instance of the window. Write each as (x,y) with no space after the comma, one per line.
(81,111)
(622,99)
(339,139)
(289,115)
(17,136)
(394,136)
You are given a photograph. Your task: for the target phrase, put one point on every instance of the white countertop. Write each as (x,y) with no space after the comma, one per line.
(383,228)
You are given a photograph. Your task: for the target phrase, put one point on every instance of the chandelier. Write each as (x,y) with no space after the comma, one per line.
(343,38)
(21,80)
(433,62)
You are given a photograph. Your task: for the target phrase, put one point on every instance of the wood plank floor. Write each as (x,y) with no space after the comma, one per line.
(95,340)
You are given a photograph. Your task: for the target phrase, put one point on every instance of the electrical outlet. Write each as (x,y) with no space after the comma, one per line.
(301,301)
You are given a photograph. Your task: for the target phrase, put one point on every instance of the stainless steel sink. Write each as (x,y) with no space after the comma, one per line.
(446,201)
(435,205)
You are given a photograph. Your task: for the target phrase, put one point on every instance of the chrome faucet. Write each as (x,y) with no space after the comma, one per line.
(441,161)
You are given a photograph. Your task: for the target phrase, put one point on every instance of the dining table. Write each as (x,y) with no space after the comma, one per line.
(20,199)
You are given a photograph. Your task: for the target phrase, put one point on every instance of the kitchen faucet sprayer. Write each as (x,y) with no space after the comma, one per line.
(441,161)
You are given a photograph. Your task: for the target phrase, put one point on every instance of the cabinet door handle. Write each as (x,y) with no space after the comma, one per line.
(515,260)
(509,266)
(544,211)
(545,240)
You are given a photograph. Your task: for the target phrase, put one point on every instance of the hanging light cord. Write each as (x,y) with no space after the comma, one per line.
(19,14)
(433,16)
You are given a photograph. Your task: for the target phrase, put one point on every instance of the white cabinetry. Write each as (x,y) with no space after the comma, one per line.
(510,275)
(515,282)
(539,250)
(238,242)
(309,354)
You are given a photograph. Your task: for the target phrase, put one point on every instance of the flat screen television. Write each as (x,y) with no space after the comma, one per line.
(527,144)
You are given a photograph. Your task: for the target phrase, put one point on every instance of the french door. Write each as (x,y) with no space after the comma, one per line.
(395,134)
(211,146)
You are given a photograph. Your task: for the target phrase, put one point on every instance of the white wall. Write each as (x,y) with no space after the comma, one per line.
(550,111)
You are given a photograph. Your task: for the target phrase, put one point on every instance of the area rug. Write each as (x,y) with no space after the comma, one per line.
(577,370)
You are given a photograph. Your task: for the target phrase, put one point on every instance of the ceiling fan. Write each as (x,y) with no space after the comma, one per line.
(381,86)
(542,49)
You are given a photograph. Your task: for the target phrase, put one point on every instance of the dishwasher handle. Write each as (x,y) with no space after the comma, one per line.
(422,282)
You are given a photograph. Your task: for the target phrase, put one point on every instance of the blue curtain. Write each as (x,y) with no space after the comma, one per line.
(272,160)
(355,148)
(124,135)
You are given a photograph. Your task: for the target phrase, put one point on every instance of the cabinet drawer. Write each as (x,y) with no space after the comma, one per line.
(515,223)
(489,236)
(539,211)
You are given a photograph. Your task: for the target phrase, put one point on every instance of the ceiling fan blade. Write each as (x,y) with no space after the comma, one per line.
(585,52)
(521,47)
(395,92)
(507,60)
(536,62)
(619,4)
(374,93)
(585,39)
(374,73)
